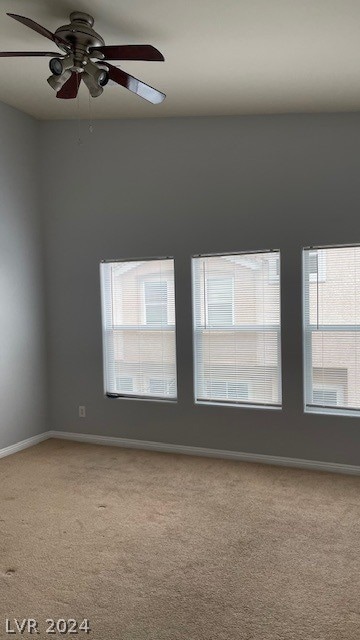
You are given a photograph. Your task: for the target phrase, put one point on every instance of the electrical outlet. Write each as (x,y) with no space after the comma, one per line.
(82,412)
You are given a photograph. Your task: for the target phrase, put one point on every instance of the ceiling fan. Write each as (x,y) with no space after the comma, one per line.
(85,57)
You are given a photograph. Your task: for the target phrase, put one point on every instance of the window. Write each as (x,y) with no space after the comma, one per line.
(332,330)
(138,317)
(236,319)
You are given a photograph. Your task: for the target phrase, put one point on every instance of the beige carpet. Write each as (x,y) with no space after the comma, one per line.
(154,546)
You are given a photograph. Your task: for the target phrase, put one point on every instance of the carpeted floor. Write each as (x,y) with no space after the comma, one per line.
(152,546)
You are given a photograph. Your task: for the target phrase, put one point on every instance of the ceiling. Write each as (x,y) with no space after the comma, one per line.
(226,57)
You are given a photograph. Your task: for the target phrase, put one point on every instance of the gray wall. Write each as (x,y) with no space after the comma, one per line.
(22,356)
(178,187)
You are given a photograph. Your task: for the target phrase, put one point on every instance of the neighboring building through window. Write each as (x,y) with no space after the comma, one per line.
(156,301)
(236,318)
(332,329)
(327,397)
(238,391)
(219,302)
(138,316)
(125,384)
(161,386)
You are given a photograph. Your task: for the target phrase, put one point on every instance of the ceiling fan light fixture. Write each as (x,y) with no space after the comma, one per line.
(95,89)
(56,66)
(98,72)
(103,78)
(56,82)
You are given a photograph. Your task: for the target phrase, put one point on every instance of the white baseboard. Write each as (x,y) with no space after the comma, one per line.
(23,444)
(149,445)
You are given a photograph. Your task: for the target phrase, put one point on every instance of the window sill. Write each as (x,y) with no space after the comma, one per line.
(142,398)
(238,405)
(351,413)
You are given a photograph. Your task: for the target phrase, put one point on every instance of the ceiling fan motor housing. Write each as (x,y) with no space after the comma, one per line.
(80,34)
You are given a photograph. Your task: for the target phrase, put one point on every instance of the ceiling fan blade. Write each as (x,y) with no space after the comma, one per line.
(17,54)
(71,87)
(130,52)
(39,29)
(136,86)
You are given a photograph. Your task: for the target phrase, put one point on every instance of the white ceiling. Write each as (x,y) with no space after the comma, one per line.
(222,57)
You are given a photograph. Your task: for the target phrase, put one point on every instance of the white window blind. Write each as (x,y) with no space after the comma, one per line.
(219,301)
(138,318)
(332,329)
(156,302)
(236,317)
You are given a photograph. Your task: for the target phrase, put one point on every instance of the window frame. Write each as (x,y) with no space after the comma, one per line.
(320,275)
(308,385)
(144,327)
(278,329)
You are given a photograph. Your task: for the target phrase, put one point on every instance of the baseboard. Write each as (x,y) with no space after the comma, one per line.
(149,445)
(23,444)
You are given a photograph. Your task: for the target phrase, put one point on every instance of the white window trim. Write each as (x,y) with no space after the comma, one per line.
(109,372)
(321,275)
(308,330)
(197,331)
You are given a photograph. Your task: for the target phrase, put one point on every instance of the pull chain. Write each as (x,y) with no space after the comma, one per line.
(91,125)
(78,110)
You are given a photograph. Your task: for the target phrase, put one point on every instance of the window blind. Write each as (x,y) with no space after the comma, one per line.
(331,280)
(236,320)
(138,319)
